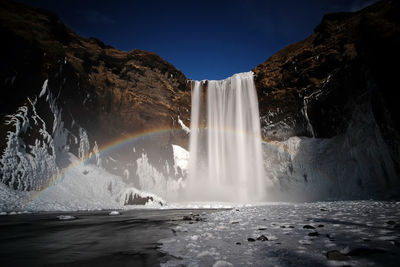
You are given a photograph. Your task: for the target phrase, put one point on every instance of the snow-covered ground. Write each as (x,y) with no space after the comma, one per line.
(79,187)
(342,233)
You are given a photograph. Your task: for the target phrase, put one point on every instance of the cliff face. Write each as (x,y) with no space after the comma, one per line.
(98,91)
(337,85)
(311,87)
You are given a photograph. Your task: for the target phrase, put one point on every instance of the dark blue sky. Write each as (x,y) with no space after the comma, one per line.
(204,39)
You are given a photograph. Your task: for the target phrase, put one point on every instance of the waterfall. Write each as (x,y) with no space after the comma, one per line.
(226,161)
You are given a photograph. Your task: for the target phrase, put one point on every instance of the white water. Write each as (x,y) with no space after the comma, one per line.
(226,161)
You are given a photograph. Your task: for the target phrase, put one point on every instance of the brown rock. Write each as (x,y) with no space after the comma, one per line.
(348,60)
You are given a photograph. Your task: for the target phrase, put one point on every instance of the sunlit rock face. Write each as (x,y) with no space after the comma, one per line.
(335,87)
(79,95)
(322,78)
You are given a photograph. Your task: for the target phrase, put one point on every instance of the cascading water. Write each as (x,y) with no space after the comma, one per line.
(226,161)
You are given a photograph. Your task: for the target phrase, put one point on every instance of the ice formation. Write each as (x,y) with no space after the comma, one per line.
(24,166)
(154,181)
(354,165)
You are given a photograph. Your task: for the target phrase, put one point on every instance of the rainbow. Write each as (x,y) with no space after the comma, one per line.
(123,141)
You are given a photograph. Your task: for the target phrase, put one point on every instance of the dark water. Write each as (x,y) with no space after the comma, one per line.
(93,239)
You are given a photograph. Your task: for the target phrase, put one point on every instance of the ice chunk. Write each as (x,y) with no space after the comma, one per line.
(66,217)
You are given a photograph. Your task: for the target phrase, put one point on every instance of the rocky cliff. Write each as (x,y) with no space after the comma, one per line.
(310,88)
(337,85)
(85,88)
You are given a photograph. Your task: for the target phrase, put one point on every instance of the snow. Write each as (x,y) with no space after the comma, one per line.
(184,127)
(78,187)
(114,212)
(20,168)
(181,159)
(97,154)
(44,88)
(153,181)
(84,146)
(221,238)
(306,169)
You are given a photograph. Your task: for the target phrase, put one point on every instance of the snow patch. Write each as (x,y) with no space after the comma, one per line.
(181,159)
(44,88)
(184,127)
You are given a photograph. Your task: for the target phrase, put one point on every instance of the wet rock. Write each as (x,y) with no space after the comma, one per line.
(187,218)
(335,255)
(250,239)
(192,217)
(307,226)
(262,238)
(322,209)
(234,222)
(238,243)
(320,225)
(391,222)
(313,234)
(262,228)
(137,199)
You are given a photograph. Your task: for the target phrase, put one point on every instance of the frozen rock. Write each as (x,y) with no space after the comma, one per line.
(262,238)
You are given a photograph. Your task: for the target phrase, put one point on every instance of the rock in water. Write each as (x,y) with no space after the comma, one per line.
(336,256)
(262,238)
(313,234)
